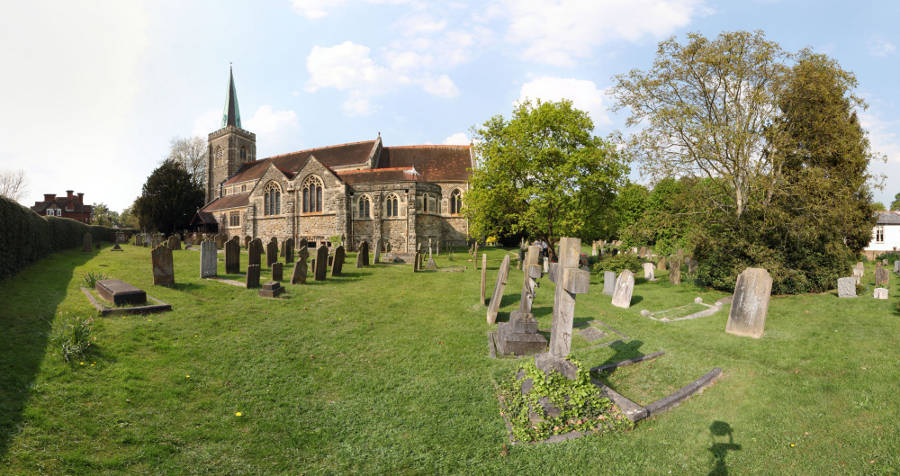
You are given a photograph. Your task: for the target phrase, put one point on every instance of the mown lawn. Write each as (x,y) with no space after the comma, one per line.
(386,371)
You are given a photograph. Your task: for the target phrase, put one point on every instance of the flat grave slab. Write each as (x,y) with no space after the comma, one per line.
(119,292)
(158,306)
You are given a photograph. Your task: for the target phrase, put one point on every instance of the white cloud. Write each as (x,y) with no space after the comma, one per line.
(881,47)
(460,138)
(583,94)
(314,9)
(276,129)
(559,32)
(441,86)
(344,66)
(884,142)
(357,105)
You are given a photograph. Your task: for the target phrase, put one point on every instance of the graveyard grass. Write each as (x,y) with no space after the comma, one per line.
(385,371)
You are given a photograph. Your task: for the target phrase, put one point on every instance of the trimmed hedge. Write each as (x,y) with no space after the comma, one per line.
(26,237)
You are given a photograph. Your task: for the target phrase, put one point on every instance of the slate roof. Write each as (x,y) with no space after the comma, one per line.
(234,200)
(888,218)
(341,155)
(436,163)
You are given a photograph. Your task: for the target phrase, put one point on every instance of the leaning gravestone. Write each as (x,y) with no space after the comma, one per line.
(624,289)
(494,306)
(570,280)
(233,256)
(289,251)
(299,275)
(272,252)
(87,243)
(163,269)
(252,276)
(208,259)
(750,303)
(609,282)
(277,271)
(661,264)
(483,272)
(881,293)
(675,270)
(648,271)
(174,243)
(254,252)
(338,263)
(846,287)
(321,264)
(520,335)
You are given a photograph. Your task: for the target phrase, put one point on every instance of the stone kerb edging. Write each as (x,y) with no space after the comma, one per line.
(106,310)
(709,311)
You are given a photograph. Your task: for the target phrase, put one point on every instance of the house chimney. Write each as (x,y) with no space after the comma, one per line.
(69,193)
(81,198)
(49,197)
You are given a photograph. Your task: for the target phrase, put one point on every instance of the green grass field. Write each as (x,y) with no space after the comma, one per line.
(386,371)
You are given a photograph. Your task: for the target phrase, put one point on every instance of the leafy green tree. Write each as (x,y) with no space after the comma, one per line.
(674,210)
(169,198)
(627,208)
(103,216)
(542,173)
(878,206)
(895,205)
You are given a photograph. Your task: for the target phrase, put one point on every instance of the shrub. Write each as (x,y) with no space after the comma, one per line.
(89,279)
(891,256)
(72,336)
(619,262)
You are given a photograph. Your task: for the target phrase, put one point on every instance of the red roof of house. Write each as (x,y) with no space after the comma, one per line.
(436,163)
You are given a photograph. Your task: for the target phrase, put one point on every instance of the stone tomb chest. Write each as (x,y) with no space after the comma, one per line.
(120,293)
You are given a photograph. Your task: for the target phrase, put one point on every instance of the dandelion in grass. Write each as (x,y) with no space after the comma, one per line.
(187,377)
(792,445)
(80,363)
(238,414)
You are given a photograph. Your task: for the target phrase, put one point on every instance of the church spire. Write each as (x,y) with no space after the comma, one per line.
(232,114)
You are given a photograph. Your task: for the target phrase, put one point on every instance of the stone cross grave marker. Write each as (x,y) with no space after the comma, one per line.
(321,263)
(570,280)
(87,243)
(277,271)
(163,268)
(520,335)
(271,252)
(494,306)
(233,256)
(299,274)
(252,276)
(532,272)
(750,303)
(338,264)
(289,251)
(208,259)
(254,252)
(846,287)
(483,273)
(624,289)
(648,271)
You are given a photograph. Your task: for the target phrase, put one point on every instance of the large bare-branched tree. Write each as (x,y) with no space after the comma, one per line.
(190,152)
(704,107)
(13,184)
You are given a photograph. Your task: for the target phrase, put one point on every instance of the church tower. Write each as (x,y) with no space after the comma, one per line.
(229,147)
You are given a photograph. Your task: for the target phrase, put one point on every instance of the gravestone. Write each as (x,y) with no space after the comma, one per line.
(272,252)
(221,238)
(281,250)
(174,243)
(338,263)
(648,271)
(321,264)
(861,267)
(881,275)
(881,293)
(139,241)
(154,240)
(483,273)
(642,252)
(252,276)
(431,264)
(675,270)
(569,280)
(520,335)
(247,241)
(497,296)
(378,244)
(750,303)
(277,271)
(163,268)
(233,256)
(594,248)
(362,257)
(857,274)
(208,259)
(289,251)
(846,287)
(609,282)
(271,289)
(299,274)
(87,243)
(119,292)
(692,265)
(520,258)
(624,289)
(897,266)
(254,252)
(661,264)
(416,261)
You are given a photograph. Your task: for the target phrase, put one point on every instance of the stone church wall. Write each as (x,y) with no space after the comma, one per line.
(394,231)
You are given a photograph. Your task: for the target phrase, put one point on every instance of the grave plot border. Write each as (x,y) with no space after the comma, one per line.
(709,311)
(160,306)
(228,281)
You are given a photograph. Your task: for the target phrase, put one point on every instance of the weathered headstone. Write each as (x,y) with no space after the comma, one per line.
(897,266)
(299,275)
(675,270)
(233,256)
(362,256)
(881,293)
(87,243)
(570,280)
(857,274)
(431,265)
(846,287)
(139,241)
(609,282)
(208,259)
(321,265)
(277,271)
(163,268)
(338,263)
(882,276)
(254,252)
(497,296)
(221,238)
(624,289)
(281,250)
(247,241)
(271,252)
(252,276)
(520,258)
(661,264)
(271,289)
(378,246)
(520,335)
(174,243)
(483,273)
(750,303)
(649,268)
(289,251)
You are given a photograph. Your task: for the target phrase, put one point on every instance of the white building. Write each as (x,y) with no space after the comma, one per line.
(885,235)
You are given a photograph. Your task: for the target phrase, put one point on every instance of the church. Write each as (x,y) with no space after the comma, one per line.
(359,191)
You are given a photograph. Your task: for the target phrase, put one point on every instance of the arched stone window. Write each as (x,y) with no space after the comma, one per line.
(365,207)
(455,202)
(425,203)
(312,194)
(392,206)
(243,154)
(218,155)
(272,205)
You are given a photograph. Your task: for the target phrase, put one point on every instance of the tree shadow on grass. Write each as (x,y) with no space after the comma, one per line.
(719,450)
(185,286)
(30,300)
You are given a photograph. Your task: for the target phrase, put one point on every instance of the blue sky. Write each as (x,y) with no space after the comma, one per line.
(92,92)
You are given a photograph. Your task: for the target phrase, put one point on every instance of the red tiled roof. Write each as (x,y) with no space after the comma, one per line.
(436,163)
(228,201)
(391,174)
(341,155)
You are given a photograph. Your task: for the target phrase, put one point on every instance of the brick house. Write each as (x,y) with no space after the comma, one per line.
(71,206)
(361,191)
